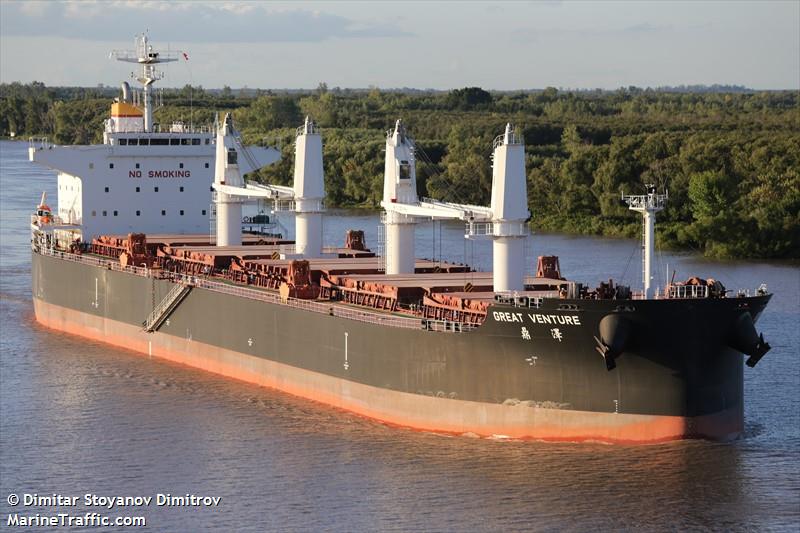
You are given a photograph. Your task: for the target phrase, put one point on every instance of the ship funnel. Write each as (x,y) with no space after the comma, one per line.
(309,190)
(509,211)
(399,187)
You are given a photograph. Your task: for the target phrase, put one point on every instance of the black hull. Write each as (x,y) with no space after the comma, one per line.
(676,377)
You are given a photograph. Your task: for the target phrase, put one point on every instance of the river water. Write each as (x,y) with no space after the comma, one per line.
(79,417)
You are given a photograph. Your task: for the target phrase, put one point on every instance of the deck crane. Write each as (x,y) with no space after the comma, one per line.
(504,221)
(304,198)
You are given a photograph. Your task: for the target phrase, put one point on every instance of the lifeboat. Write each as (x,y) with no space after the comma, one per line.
(44,214)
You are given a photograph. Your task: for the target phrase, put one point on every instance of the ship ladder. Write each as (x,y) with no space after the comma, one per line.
(167,305)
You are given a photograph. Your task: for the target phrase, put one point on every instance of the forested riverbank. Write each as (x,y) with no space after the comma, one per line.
(730,160)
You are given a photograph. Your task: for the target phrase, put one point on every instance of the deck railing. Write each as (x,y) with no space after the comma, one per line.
(327,308)
(688,291)
(39,143)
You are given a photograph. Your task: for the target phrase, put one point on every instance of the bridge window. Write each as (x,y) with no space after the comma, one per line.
(133,142)
(195,142)
(122,142)
(208,141)
(184,142)
(174,142)
(143,141)
(159,142)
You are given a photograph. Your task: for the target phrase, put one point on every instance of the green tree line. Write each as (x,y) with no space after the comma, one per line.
(730,160)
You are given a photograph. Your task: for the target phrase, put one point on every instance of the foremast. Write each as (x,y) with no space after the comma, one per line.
(648,205)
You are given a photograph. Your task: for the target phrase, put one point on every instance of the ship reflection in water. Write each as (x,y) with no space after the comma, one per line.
(81,417)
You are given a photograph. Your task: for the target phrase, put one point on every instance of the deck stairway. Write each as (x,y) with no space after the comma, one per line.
(160,313)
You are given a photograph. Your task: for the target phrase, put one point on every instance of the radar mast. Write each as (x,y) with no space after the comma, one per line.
(148,58)
(648,205)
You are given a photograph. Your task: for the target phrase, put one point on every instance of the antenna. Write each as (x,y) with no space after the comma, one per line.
(148,58)
(648,205)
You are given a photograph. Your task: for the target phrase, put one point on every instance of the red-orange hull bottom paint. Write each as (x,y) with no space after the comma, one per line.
(415,411)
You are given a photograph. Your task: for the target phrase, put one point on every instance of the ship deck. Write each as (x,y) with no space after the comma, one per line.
(350,277)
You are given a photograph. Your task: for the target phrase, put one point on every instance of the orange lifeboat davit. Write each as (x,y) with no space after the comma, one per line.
(43,213)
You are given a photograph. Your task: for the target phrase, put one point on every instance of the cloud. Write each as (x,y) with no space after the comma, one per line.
(224,22)
(644,27)
(533,34)
(34,9)
(524,35)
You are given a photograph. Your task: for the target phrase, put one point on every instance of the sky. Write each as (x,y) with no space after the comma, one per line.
(439,45)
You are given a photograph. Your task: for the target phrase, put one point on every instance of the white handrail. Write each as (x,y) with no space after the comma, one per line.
(688,291)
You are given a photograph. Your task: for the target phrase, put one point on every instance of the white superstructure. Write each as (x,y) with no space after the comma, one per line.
(143,178)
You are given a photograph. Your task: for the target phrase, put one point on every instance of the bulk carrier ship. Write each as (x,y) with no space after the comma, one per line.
(149,250)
